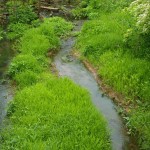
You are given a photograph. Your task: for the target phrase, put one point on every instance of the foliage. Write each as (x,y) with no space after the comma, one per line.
(141,11)
(127,75)
(20,13)
(95,8)
(59,25)
(20,17)
(137,36)
(35,44)
(139,121)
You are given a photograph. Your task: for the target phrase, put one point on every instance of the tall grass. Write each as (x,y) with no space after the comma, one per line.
(50,116)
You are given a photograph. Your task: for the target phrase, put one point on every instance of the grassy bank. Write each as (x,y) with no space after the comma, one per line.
(48,112)
(115,40)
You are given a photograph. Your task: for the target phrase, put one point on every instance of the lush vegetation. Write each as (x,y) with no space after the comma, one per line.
(116,41)
(45,113)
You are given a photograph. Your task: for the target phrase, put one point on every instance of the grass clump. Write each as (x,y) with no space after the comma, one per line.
(126,74)
(36,45)
(16,30)
(59,25)
(46,116)
(22,63)
(26,78)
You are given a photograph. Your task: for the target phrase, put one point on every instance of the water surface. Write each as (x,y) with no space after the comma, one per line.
(71,67)
(6,54)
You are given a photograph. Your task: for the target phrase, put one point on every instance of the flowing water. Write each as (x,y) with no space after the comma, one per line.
(69,66)
(6,54)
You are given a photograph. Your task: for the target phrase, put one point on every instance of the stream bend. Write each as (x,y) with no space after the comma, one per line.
(71,67)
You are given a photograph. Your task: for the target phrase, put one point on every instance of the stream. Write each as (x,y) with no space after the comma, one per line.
(6,54)
(69,66)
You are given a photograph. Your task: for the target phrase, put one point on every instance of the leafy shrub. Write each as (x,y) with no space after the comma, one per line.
(20,13)
(46,116)
(137,36)
(38,40)
(16,30)
(22,63)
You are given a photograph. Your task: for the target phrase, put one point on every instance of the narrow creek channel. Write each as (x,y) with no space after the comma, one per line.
(6,54)
(69,66)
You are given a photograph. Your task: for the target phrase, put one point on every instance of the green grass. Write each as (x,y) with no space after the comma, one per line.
(22,63)
(126,74)
(51,116)
(106,33)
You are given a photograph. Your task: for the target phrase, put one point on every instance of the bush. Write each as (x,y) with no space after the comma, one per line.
(20,13)
(138,35)
(48,31)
